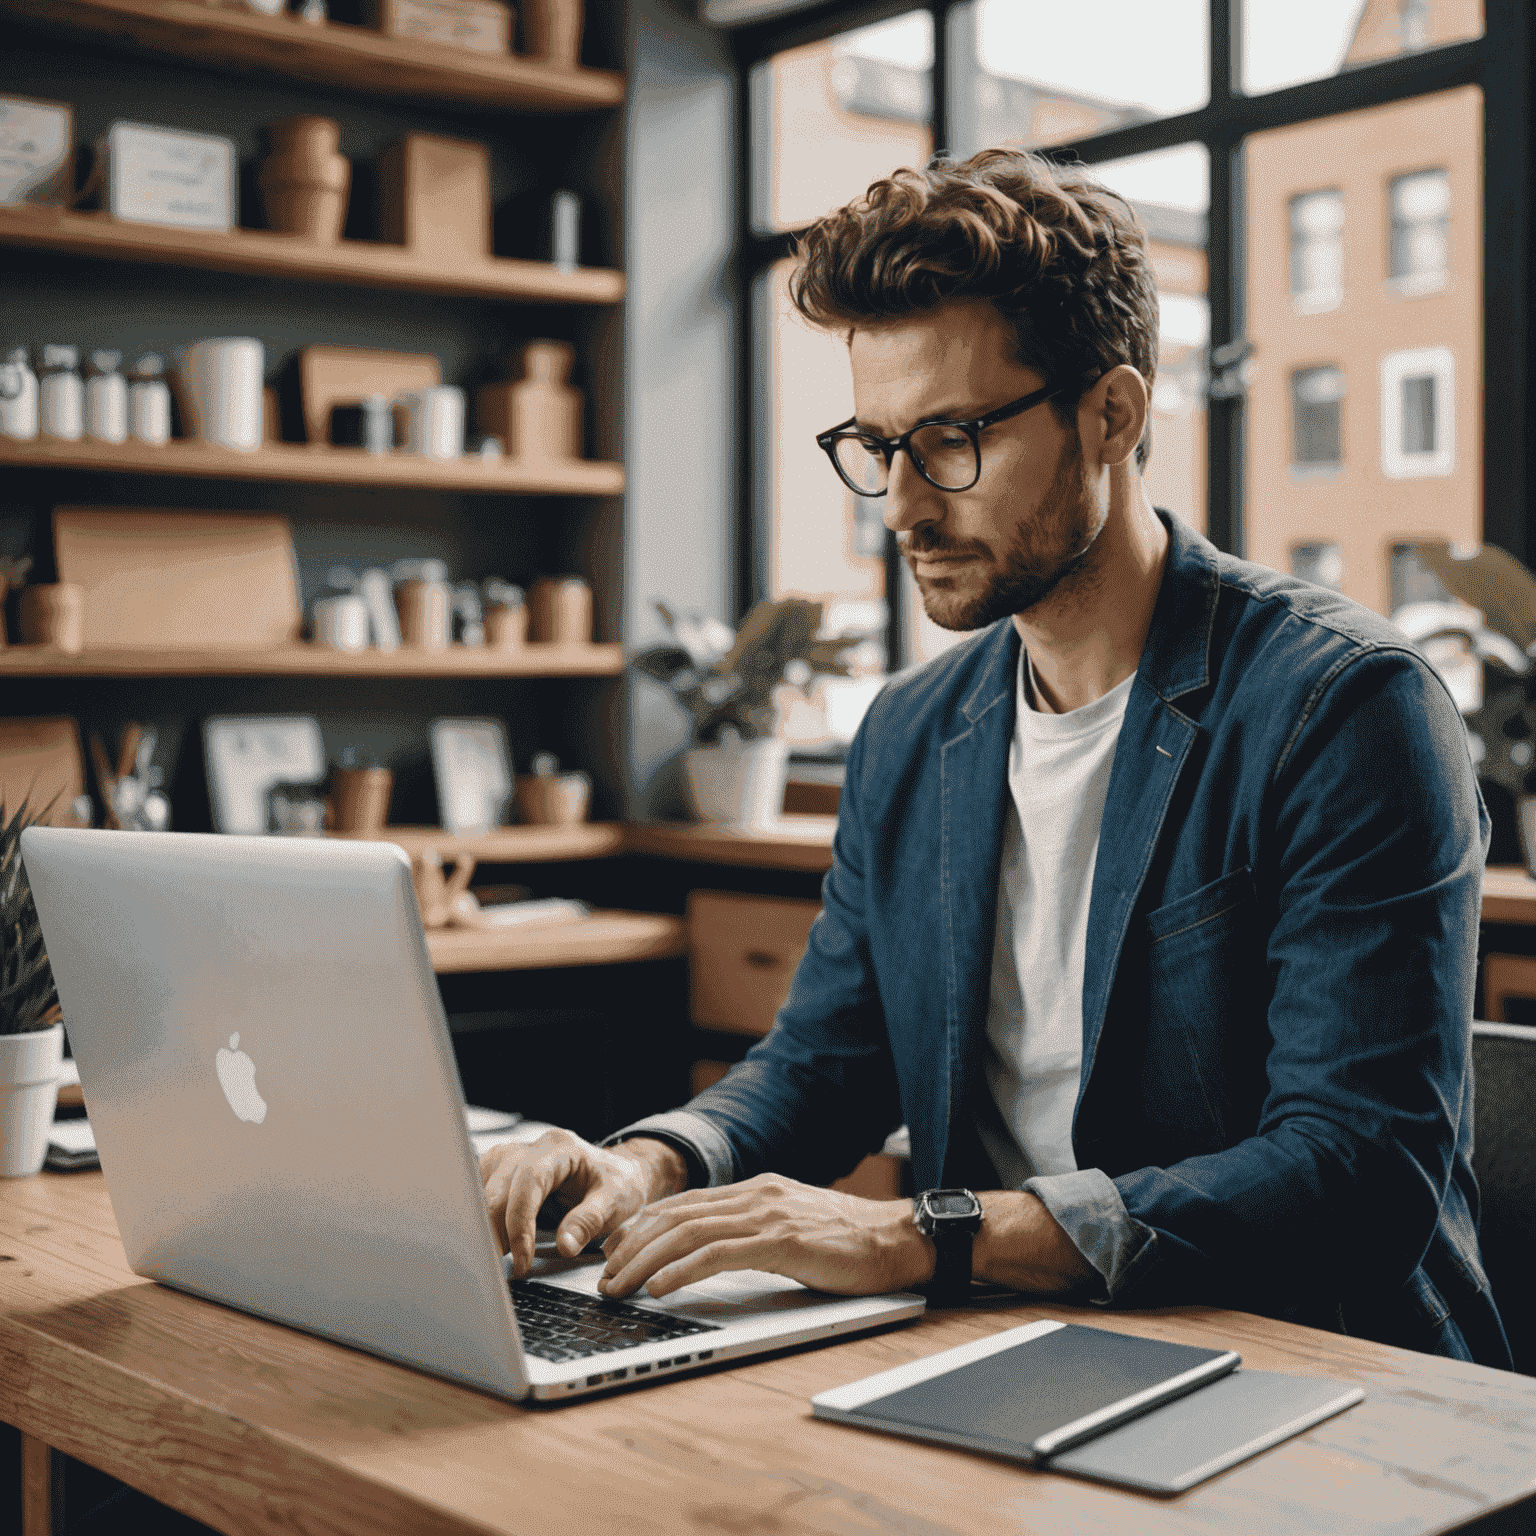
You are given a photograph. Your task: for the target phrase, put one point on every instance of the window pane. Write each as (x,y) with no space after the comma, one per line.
(1420,240)
(1312,39)
(1406,443)
(824,542)
(1032,72)
(1317,249)
(831,117)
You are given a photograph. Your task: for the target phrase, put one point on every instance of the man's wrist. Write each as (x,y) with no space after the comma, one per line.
(666,1168)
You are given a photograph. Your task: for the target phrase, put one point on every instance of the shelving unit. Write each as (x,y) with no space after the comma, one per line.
(794,843)
(265,253)
(320,464)
(348,58)
(357,62)
(301,660)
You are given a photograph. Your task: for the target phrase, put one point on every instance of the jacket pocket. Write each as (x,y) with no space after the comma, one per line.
(1207,1036)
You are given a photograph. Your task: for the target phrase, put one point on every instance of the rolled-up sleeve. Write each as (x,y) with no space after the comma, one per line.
(1088,1208)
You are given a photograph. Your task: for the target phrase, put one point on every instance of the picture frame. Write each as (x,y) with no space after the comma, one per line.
(37,140)
(165,176)
(246,755)
(473,772)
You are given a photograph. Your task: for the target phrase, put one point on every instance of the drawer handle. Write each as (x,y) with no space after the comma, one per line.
(762,960)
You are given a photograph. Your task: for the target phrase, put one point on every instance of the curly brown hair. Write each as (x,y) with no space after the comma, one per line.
(1062,258)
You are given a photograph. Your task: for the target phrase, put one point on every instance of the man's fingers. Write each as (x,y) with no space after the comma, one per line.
(752,1251)
(529,1185)
(672,1244)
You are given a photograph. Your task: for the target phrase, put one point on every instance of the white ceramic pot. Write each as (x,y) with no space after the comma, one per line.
(740,784)
(29,1089)
(223,382)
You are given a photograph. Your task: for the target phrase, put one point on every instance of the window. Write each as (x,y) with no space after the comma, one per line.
(1417,414)
(1319,561)
(1317,438)
(1317,250)
(1420,239)
(1286,228)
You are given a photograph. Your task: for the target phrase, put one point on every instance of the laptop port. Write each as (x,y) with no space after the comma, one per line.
(594,1381)
(617,1375)
(706,1354)
(682,1360)
(661,1365)
(642,1370)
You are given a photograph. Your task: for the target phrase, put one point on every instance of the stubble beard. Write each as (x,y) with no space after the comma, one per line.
(1045,553)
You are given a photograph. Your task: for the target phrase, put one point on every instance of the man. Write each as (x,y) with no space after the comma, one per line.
(1153,907)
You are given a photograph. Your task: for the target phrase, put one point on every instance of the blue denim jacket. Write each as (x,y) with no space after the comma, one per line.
(1275,1106)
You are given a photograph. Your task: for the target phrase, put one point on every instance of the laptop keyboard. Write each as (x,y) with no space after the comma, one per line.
(559,1325)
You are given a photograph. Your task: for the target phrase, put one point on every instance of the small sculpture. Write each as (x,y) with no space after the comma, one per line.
(305,179)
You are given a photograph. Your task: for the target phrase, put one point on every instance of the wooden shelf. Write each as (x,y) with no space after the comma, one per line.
(320,465)
(359,263)
(300,660)
(506,845)
(353,58)
(1509,895)
(604,938)
(797,842)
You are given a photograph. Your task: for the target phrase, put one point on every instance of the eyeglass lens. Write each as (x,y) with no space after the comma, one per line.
(946,456)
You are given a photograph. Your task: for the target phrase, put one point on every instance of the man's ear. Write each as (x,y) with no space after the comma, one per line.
(1113,414)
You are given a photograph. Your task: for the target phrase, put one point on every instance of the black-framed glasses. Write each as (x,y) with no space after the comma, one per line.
(947,454)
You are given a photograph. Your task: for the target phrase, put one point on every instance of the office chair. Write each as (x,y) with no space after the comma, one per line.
(1504,1160)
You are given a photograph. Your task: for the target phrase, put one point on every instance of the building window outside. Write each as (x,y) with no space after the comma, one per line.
(1419,255)
(1319,561)
(1317,250)
(1317,408)
(1417,413)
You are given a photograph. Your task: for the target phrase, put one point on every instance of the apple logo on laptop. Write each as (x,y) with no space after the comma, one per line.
(237,1077)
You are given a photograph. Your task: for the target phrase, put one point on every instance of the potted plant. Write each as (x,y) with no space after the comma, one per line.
(31,1031)
(726,680)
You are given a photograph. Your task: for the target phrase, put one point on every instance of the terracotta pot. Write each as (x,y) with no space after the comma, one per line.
(553,799)
(560,611)
(552,31)
(54,615)
(305,179)
(506,626)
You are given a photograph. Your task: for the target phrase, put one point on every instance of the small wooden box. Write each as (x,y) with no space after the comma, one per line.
(742,954)
(435,197)
(482,26)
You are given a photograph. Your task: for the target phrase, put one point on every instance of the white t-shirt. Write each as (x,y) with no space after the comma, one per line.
(1058,773)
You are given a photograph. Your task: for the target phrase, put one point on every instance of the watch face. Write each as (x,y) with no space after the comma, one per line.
(947,1202)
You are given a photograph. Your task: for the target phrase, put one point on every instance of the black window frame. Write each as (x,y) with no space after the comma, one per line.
(1500,63)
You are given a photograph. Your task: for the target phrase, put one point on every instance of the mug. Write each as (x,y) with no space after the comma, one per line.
(53,615)
(436,893)
(341,622)
(434,421)
(560,611)
(426,614)
(360,799)
(221,382)
(553,799)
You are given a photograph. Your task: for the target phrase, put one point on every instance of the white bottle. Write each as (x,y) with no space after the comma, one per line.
(149,402)
(18,397)
(106,399)
(62,394)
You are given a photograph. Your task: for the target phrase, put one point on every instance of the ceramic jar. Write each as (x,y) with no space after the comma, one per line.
(305,179)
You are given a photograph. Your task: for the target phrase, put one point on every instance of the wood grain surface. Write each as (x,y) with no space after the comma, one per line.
(353,58)
(795,842)
(266,253)
(320,464)
(303,660)
(251,1427)
(604,938)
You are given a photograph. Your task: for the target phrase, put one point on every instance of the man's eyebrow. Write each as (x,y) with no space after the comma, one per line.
(947,412)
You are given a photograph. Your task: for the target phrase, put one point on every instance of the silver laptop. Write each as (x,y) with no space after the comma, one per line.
(270,1079)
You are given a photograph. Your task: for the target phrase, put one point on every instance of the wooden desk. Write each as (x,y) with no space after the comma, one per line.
(249,1426)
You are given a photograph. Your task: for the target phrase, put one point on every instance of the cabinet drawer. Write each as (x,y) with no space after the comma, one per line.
(742,954)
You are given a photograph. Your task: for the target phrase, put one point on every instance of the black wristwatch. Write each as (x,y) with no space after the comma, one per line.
(952,1218)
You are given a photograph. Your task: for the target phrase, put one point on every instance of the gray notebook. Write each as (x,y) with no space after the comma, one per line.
(1028,1392)
(1183,1443)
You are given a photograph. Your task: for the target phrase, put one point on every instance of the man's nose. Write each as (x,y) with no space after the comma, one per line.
(909,499)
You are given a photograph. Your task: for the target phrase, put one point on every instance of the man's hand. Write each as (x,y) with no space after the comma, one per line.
(596,1187)
(824,1239)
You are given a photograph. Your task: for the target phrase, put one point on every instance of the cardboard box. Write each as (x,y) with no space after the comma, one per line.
(435,196)
(482,26)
